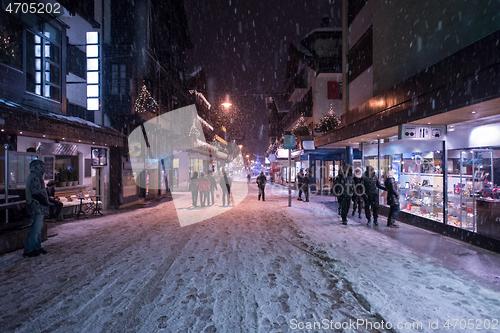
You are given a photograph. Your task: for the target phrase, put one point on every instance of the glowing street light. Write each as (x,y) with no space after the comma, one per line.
(227,103)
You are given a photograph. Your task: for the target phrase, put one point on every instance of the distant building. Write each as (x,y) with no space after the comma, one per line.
(313,90)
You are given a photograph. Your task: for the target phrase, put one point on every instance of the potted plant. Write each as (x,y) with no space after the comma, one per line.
(64,178)
(74,173)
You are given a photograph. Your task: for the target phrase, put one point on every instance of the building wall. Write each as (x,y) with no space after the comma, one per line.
(409,36)
(361,88)
(321,104)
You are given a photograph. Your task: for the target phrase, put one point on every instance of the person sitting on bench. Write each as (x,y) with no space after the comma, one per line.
(55,206)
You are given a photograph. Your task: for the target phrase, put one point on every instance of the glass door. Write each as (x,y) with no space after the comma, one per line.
(482,180)
(470,177)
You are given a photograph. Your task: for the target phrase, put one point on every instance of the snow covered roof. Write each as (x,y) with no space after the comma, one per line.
(302,49)
(326,29)
(50,114)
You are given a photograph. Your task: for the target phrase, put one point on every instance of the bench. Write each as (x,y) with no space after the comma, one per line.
(69,198)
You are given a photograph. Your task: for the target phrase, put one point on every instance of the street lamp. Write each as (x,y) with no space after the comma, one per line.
(227,103)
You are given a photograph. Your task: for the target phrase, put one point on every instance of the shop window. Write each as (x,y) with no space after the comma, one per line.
(66,170)
(43,61)
(470,177)
(11,41)
(19,168)
(421,182)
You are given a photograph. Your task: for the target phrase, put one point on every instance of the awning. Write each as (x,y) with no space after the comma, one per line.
(51,148)
(34,122)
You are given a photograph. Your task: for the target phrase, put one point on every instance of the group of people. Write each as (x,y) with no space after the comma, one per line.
(205,186)
(363,188)
(303,181)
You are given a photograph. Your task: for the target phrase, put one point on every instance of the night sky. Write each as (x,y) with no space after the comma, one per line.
(243,47)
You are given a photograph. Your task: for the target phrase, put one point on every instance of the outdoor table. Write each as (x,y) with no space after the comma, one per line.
(81,211)
(96,209)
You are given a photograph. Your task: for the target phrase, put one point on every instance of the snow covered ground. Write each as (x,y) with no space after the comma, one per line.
(258,267)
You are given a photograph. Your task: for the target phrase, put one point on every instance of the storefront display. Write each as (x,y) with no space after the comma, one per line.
(419,167)
(422,192)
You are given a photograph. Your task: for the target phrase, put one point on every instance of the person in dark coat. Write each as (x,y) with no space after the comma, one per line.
(193,188)
(37,203)
(358,192)
(213,186)
(371,183)
(308,180)
(344,189)
(261,183)
(55,206)
(225,184)
(300,184)
(392,199)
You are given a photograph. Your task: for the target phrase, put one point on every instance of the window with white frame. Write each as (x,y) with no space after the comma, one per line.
(43,61)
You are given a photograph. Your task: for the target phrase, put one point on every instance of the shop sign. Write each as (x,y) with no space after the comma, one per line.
(411,131)
(99,156)
(282,153)
(308,145)
(289,141)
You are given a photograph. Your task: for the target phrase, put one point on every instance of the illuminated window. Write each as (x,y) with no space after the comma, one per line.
(93,74)
(43,61)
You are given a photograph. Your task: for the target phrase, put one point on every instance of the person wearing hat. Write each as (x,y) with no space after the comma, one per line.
(37,203)
(261,183)
(358,192)
(392,199)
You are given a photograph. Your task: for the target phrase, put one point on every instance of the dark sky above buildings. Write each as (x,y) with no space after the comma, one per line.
(243,47)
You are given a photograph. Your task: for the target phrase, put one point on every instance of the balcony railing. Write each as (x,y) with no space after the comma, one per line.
(303,108)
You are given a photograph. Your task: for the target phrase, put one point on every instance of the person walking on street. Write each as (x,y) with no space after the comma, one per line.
(249,177)
(193,188)
(308,180)
(300,183)
(204,187)
(37,203)
(358,192)
(213,186)
(344,189)
(392,199)
(225,184)
(261,183)
(371,183)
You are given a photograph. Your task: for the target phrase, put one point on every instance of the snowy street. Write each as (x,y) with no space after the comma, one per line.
(258,267)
